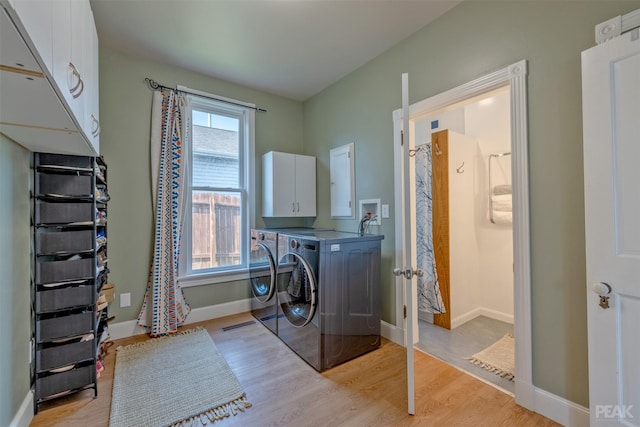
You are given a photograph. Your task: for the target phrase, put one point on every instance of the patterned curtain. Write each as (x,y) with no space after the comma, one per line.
(164,307)
(429,297)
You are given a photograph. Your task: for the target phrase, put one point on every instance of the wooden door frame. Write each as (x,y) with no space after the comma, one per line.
(515,77)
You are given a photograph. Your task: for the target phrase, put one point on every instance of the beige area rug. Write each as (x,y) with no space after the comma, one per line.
(498,357)
(177,380)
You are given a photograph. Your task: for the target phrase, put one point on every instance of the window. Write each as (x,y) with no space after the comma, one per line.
(216,233)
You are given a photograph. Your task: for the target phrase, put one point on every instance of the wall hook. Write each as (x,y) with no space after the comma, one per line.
(460,169)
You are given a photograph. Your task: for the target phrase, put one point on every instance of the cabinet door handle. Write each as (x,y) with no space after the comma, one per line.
(96,130)
(298,204)
(79,86)
(293,206)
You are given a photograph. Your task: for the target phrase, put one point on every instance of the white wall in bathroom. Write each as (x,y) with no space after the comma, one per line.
(464,256)
(447,119)
(489,122)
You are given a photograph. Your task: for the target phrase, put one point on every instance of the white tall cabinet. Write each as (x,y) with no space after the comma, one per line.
(288,185)
(61,80)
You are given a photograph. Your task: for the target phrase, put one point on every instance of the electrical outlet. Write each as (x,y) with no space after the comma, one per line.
(125,299)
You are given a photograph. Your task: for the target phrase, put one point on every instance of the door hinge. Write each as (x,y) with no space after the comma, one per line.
(401,137)
(404,309)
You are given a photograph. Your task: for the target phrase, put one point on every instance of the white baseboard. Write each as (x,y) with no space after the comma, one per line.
(425,317)
(130,328)
(560,410)
(25,413)
(392,332)
(481,311)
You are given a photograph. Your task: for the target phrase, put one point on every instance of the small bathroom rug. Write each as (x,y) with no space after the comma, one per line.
(498,357)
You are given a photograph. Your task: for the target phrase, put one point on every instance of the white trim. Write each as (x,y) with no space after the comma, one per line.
(481,311)
(213,278)
(616,26)
(392,333)
(131,328)
(560,410)
(24,416)
(246,133)
(514,75)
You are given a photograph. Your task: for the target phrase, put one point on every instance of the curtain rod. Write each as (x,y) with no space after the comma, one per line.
(153,85)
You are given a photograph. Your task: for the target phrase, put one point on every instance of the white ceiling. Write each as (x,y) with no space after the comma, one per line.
(293,48)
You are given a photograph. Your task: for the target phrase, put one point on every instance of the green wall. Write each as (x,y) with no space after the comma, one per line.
(15,268)
(125,111)
(471,40)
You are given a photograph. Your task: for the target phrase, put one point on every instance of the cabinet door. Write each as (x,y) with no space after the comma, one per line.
(68,66)
(35,15)
(342,181)
(278,180)
(305,183)
(91,105)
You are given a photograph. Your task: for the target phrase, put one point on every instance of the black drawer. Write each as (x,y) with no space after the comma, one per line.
(64,241)
(45,159)
(70,380)
(60,271)
(63,213)
(61,298)
(63,355)
(65,326)
(65,185)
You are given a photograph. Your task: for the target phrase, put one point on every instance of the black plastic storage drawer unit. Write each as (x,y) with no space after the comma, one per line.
(70,194)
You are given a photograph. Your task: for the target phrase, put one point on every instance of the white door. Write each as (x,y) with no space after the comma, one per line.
(305,182)
(406,270)
(611,117)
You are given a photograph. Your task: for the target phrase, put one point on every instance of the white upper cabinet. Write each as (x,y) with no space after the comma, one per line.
(288,185)
(35,15)
(62,37)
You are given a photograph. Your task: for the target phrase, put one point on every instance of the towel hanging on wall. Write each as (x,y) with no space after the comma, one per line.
(501,203)
(499,190)
(500,197)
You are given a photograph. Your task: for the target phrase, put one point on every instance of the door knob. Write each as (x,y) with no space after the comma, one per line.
(603,290)
(408,273)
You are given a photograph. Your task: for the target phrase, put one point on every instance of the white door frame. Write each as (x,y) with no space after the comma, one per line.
(515,76)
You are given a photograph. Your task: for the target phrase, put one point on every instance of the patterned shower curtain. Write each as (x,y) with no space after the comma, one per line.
(429,297)
(164,307)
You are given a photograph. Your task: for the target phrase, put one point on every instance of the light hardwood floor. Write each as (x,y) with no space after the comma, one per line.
(285,391)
